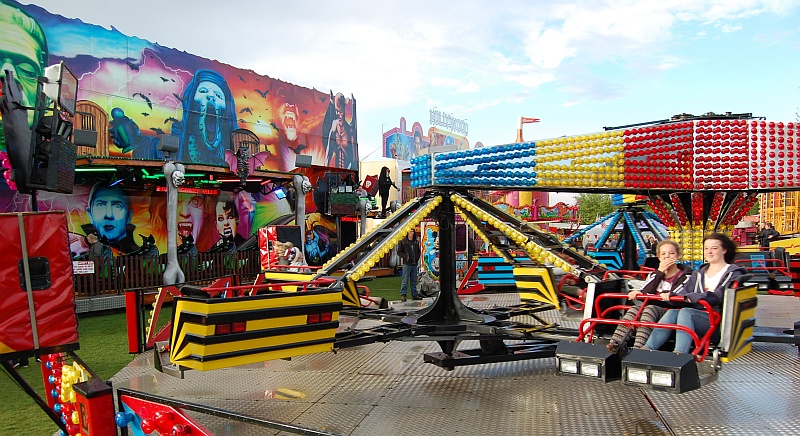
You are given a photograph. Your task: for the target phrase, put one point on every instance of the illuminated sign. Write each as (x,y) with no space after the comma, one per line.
(447,121)
(191,190)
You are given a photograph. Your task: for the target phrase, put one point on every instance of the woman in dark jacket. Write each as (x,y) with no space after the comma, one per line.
(667,279)
(384,183)
(707,283)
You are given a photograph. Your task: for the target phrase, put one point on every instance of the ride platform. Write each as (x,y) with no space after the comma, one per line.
(388,388)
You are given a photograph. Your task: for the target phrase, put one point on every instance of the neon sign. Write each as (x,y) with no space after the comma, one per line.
(190,190)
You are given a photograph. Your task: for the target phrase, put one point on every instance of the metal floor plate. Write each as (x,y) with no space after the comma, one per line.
(386,388)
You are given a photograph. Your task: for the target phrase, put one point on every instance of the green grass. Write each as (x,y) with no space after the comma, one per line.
(104,347)
(387,288)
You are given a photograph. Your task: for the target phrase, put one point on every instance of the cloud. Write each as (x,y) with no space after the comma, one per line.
(458,86)
(669,62)
(468,88)
(727,28)
(389,54)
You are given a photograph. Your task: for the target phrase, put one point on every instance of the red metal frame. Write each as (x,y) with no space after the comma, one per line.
(765,265)
(628,274)
(572,302)
(586,327)
(472,289)
(215,291)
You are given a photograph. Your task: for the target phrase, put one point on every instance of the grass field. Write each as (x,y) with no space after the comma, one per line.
(104,347)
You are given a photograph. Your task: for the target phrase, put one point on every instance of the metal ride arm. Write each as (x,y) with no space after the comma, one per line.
(448,320)
(536,235)
(357,259)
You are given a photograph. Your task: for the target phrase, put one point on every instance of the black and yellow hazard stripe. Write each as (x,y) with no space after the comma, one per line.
(350,295)
(742,306)
(276,327)
(536,283)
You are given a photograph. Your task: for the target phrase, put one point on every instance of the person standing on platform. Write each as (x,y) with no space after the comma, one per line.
(409,250)
(384,183)
(766,235)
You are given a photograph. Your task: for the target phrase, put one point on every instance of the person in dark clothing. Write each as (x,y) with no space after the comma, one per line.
(95,247)
(384,184)
(767,234)
(409,250)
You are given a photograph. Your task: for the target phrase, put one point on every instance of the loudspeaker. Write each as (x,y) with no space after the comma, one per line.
(302,161)
(84,138)
(169,143)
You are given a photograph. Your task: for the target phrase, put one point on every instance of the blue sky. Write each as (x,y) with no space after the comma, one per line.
(576,65)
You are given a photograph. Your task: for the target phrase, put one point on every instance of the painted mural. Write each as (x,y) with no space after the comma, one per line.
(150,90)
(430,249)
(402,144)
(145,90)
(439,137)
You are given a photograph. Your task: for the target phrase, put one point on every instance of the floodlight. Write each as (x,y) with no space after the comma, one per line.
(62,87)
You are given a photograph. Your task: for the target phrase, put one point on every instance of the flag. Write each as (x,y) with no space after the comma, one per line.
(526,120)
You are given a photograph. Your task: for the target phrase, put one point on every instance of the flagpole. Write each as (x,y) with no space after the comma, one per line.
(524,120)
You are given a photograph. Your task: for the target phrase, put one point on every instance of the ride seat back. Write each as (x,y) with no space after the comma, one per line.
(738,319)
(596,289)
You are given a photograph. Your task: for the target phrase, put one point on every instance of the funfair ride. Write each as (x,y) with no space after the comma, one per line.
(720,164)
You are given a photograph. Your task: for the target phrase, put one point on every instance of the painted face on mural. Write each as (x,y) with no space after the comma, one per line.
(339,107)
(22,50)
(190,215)
(290,121)
(210,101)
(109,213)
(226,220)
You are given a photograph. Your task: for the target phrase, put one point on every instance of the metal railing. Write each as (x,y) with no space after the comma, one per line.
(114,276)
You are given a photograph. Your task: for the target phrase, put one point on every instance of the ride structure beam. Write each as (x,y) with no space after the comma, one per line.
(706,170)
(448,308)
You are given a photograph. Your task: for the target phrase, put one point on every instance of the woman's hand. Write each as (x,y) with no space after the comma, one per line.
(664,265)
(632,294)
(665,296)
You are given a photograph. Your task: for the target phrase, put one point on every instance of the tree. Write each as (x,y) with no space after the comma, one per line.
(592,206)
(755,208)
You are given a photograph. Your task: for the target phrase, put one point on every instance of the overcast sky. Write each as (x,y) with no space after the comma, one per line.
(577,65)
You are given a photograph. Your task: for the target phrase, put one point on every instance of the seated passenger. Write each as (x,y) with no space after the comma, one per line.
(707,283)
(667,279)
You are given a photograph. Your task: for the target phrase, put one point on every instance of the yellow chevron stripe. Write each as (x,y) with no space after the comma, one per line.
(740,334)
(244,304)
(543,289)
(255,358)
(250,344)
